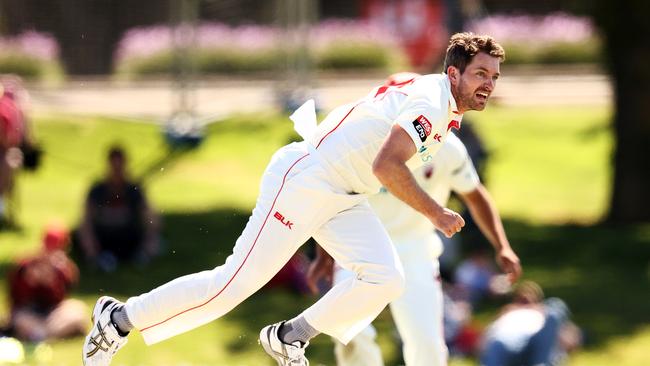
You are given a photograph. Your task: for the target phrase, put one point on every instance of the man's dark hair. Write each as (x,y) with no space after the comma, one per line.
(464,46)
(116,151)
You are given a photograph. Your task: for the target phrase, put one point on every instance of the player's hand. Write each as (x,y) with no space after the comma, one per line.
(509,263)
(448,222)
(321,268)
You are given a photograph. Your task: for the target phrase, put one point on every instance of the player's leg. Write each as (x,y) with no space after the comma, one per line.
(357,240)
(287,211)
(418,315)
(29,325)
(495,353)
(542,346)
(285,216)
(363,349)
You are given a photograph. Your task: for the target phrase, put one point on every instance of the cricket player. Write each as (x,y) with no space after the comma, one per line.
(319,188)
(418,312)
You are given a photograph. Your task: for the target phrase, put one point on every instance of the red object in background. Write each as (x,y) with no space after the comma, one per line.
(12,123)
(292,275)
(41,282)
(418,24)
(56,237)
(467,340)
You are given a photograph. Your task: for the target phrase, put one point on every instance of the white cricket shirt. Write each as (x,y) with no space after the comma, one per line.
(350,137)
(515,328)
(450,169)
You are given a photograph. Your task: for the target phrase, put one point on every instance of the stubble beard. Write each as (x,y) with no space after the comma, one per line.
(467,99)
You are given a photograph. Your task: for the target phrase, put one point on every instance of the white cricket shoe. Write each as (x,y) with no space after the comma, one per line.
(103,341)
(284,354)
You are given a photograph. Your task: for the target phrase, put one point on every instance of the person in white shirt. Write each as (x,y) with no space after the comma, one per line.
(319,187)
(418,312)
(530,330)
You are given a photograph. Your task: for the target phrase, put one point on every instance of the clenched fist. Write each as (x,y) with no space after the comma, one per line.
(448,222)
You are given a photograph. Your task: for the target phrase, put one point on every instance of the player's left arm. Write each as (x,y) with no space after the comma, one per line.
(484,212)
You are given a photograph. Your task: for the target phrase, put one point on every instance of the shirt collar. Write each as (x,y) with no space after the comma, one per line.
(455,115)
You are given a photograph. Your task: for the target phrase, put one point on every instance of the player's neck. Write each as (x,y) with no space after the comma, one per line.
(459,103)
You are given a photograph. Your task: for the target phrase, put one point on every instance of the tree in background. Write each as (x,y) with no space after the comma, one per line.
(626,32)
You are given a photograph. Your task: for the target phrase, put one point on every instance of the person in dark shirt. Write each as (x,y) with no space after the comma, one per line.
(118,223)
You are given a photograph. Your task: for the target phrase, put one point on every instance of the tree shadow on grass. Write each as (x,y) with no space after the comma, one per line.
(196,242)
(601,272)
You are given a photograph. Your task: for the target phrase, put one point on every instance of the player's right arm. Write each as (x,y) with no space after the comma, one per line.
(390,168)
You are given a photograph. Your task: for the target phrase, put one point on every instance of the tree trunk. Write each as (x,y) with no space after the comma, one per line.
(626,29)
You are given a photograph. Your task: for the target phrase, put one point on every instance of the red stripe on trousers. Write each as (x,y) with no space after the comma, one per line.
(245,259)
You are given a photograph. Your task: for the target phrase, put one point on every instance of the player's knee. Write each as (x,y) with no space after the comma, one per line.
(390,281)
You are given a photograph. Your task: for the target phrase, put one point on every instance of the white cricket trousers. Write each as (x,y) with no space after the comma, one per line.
(298,199)
(418,313)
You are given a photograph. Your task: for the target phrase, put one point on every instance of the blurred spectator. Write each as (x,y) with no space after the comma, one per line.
(530,331)
(457,318)
(38,292)
(293,275)
(474,275)
(17,148)
(12,133)
(118,224)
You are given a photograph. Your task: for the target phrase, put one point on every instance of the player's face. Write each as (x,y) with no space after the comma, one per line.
(475,85)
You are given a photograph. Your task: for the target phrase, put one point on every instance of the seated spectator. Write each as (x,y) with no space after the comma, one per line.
(118,224)
(38,292)
(530,331)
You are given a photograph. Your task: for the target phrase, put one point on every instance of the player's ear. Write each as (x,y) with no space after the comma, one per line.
(453,73)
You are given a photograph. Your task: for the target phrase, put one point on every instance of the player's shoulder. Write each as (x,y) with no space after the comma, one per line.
(453,151)
(431,79)
(454,145)
(435,89)
(430,86)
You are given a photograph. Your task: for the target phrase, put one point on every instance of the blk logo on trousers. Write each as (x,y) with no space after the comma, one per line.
(283,219)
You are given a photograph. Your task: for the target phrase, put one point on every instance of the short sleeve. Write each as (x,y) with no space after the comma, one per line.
(419,119)
(463,176)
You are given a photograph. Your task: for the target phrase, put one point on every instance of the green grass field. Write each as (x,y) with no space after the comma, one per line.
(549,173)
